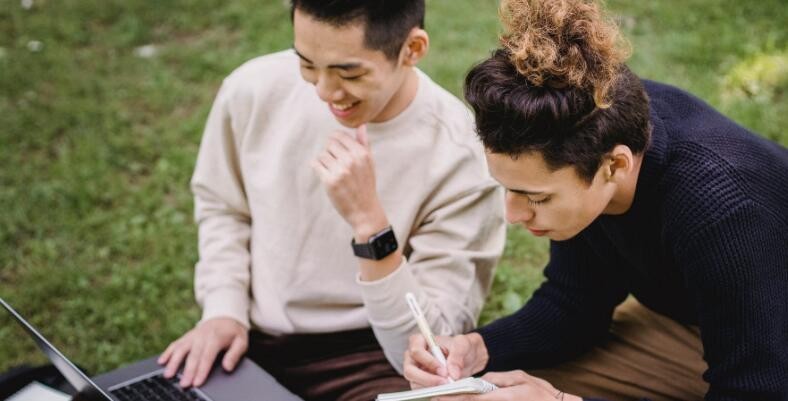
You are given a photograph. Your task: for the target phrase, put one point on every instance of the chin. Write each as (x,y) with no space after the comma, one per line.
(557,237)
(348,124)
(353,122)
(560,236)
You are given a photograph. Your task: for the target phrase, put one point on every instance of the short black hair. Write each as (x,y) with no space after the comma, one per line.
(387,23)
(564,124)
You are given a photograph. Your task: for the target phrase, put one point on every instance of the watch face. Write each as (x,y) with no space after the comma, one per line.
(383,244)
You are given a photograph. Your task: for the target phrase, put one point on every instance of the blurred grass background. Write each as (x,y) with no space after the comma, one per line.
(102,104)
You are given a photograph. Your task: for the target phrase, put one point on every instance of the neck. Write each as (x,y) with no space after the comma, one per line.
(625,193)
(402,97)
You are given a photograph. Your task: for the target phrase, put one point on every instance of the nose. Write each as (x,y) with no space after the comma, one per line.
(327,89)
(517,211)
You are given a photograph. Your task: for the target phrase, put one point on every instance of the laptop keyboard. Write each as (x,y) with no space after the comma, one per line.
(156,388)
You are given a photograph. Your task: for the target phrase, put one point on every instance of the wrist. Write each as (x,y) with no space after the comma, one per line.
(369,225)
(482,356)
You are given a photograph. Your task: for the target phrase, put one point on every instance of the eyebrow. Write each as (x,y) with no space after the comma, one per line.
(341,66)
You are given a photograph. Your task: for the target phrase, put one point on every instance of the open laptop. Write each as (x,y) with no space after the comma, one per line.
(143,381)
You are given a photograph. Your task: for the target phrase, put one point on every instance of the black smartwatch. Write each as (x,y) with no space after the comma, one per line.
(379,246)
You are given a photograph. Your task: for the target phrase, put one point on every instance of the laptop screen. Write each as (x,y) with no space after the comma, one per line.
(87,390)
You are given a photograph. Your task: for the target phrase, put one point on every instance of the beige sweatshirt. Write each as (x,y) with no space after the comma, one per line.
(276,256)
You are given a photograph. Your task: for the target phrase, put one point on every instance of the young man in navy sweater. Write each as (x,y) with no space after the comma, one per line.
(668,270)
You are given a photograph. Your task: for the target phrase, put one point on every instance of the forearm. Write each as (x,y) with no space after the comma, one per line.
(449,288)
(570,312)
(541,334)
(449,270)
(222,274)
(392,320)
(567,315)
(223,217)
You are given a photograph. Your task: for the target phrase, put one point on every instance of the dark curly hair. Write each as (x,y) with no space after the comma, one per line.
(558,86)
(387,23)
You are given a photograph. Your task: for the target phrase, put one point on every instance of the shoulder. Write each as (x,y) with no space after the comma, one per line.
(703,187)
(446,110)
(269,68)
(263,76)
(269,85)
(713,165)
(685,113)
(437,135)
(451,122)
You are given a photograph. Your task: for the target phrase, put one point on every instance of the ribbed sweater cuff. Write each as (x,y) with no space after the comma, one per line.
(384,299)
(227,302)
(497,342)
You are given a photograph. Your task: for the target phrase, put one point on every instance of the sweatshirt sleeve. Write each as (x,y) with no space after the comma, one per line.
(738,265)
(567,315)
(449,268)
(222,273)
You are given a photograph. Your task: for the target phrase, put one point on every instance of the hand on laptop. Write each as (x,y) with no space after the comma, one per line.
(200,346)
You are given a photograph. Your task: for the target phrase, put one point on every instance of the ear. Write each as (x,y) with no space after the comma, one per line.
(618,164)
(415,47)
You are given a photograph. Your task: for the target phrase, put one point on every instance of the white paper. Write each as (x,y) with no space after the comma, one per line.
(468,385)
(36,391)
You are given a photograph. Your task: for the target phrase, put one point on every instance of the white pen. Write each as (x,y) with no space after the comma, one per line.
(426,332)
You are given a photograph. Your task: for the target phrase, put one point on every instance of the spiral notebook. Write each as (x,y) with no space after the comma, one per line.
(469,385)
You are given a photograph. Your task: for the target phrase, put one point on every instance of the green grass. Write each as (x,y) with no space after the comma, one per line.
(97,145)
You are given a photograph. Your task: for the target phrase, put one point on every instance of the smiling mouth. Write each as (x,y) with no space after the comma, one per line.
(344,106)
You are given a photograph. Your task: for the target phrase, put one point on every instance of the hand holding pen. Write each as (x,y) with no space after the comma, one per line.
(426,332)
(426,365)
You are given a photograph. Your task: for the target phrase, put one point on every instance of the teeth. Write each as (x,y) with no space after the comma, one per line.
(342,106)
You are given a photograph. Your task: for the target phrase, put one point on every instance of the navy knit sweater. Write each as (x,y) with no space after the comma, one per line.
(705,243)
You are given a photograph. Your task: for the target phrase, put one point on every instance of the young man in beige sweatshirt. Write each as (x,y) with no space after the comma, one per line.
(339,139)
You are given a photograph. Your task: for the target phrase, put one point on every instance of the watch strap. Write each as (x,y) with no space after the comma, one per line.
(362,250)
(378,247)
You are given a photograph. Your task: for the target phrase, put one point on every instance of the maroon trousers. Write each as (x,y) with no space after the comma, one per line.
(343,366)
(648,355)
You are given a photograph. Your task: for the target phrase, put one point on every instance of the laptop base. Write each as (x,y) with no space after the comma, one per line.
(247,381)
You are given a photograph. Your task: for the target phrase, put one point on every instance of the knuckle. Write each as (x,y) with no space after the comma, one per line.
(407,371)
(177,354)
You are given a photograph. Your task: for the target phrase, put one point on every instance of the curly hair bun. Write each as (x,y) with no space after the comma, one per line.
(562,43)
